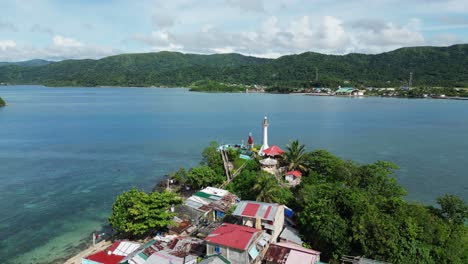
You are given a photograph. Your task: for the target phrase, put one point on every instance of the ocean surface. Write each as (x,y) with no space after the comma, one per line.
(65,153)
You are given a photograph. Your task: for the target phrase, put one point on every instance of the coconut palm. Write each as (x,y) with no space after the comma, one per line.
(295,156)
(266,188)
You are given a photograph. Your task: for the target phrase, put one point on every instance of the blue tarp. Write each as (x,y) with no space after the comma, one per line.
(288,212)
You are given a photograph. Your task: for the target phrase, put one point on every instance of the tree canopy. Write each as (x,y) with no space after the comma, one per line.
(389,69)
(137,213)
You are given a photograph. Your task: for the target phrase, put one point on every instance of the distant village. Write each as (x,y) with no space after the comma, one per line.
(214,226)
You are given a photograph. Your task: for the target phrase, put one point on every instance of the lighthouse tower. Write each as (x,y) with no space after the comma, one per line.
(265,136)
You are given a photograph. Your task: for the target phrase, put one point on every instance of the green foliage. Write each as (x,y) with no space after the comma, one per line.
(2,103)
(453,209)
(215,87)
(137,213)
(390,69)
(203,176)
(351,209)
(295,156)
(212,158)
(180,176)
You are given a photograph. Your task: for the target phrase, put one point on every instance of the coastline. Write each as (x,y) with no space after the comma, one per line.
(76,259)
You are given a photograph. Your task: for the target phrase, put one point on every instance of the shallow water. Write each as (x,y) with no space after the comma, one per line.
(65,153)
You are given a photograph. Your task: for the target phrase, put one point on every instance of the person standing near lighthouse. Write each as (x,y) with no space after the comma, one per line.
(265,136)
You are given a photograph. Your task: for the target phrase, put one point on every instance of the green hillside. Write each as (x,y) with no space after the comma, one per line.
(26,63)
(431,66)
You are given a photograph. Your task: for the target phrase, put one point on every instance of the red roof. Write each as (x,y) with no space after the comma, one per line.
(273,151)
(250,209)
(114,246)
(294,173)
(103,257)
(233,236)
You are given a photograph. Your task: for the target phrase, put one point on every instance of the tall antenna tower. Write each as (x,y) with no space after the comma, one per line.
(410,79)
(316,74)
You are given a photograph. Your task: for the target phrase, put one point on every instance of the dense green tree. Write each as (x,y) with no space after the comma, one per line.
(453,208)
(295,156)
(351,209)
(137,213)
(212,158)
(2,103)
(203,176)
(221,72)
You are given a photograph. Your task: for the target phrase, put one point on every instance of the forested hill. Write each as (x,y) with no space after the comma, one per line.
(431,66)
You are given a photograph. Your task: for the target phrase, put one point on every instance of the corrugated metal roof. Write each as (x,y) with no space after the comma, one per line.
(233,236)
(266,211)
(291,234)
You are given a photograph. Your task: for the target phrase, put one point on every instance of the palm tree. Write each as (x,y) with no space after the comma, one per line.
(266,188)
(295,156)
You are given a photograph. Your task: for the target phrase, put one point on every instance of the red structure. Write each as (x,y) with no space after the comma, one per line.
(273,151)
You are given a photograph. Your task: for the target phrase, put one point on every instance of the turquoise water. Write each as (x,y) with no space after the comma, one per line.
(65,153)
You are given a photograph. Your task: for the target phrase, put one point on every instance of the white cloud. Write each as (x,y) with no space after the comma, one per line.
(7,44)
(64,42)
(60,48)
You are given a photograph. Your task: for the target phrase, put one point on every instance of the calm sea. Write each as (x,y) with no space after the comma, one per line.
(65,153)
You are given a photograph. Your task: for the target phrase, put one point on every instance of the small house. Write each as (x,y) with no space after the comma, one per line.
(113,255)
(265,216)
(293,177)
(210,203)
(238,244)
(288,253)
(349,91)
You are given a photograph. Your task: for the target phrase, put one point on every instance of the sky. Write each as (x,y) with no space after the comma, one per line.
(71,29)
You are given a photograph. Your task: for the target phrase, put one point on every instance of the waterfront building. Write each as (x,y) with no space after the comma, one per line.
(168,250)
(347,91)
(113,255)
(265,216)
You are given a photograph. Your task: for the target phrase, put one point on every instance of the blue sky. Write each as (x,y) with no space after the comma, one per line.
(67,29)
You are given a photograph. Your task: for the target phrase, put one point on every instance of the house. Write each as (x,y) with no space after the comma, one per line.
(238,244)
(293,177)
(347,91)
(289,253)
(210,203)
(267,216)
(168,250)
(113,255)
(290,235)
(215,259)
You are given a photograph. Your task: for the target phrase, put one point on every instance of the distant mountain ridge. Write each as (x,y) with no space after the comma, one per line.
(35,62)
(431,66)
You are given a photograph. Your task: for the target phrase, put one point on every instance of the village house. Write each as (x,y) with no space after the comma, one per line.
(168,250)
(350,91)
(210,203)
(265,216)
(238,244)
(113,255)
(293,177)
(289,253)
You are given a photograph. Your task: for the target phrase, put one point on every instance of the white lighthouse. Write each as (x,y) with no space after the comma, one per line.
(265,136)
